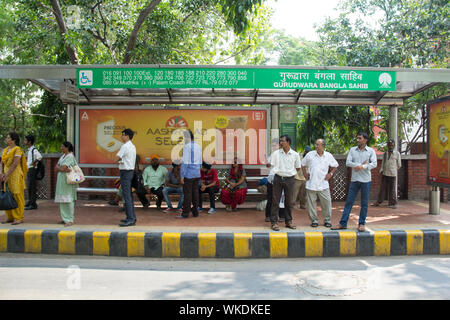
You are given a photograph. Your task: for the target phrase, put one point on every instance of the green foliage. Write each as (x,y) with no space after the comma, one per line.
(49,121)
(385,33)
(338,125)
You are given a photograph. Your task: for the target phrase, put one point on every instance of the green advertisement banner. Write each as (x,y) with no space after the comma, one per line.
(236,78)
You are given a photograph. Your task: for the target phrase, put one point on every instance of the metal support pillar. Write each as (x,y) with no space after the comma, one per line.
(393,124)
(70,123)
(435,197)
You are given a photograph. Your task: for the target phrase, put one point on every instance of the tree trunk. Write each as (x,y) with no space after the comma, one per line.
(140,21)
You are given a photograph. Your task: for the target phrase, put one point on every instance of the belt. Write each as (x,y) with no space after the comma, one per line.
(284,178)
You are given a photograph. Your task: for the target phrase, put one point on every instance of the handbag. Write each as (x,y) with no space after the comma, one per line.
(75,176)
(7,201)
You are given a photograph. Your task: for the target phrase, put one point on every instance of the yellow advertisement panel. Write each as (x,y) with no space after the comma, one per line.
(438,142)
(222,133)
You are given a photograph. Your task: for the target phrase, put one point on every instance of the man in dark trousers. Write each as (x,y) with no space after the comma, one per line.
(392,161)
(126,157)
(33,156)
(285,162)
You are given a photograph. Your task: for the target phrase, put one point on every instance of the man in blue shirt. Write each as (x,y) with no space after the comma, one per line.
(361,159)
(190,174)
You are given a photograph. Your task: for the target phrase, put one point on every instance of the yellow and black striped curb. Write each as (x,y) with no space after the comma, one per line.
(227,245)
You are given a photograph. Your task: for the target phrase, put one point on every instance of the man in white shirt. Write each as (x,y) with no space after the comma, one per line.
(127,160)
(321,167)
(285,163)
(33,156)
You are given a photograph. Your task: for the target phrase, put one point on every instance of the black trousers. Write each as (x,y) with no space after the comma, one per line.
(388,186)
(269,202)
(159,194)
(281,184)
(211,191)
(32,186)
(191,195)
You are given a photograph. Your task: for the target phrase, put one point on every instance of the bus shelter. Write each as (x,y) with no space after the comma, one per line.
(200,88)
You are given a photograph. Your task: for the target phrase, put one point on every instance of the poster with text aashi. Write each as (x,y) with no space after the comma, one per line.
(155,133)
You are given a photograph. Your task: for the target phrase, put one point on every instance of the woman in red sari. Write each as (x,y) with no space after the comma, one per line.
(236,190)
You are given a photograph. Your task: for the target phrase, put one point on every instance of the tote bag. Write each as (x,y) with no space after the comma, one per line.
(75,176)
(7,201)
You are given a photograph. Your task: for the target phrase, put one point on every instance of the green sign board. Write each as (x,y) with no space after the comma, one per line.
(291,130)
(237,78)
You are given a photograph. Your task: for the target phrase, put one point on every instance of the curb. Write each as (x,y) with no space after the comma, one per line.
(227,245)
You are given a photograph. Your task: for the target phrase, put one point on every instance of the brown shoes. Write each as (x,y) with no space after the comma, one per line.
(291,226)
(361,228)
(338,227)
(275,227)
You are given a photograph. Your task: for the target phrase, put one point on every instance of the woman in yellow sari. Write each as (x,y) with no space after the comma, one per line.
(14,173)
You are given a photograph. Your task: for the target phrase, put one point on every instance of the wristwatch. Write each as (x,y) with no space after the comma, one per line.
(331,173)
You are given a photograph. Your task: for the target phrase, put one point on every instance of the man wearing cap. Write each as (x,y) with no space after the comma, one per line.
(154,177)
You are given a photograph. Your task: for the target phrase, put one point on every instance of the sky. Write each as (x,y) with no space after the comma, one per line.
(297,17)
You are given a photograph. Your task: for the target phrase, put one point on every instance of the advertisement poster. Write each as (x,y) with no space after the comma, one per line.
(438,143)
(222,133)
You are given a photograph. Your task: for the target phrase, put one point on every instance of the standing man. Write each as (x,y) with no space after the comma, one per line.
(33,156)
(361,159)
(392,161)
(285,163)
(154,178)
(127,160)
(190,174)
(300,184)
(321,167)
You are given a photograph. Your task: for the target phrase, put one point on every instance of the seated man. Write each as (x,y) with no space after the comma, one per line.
(154,178)
(209,183)
(173,185)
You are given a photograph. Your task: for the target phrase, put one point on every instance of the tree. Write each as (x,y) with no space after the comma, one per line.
(336,124)
(126,31)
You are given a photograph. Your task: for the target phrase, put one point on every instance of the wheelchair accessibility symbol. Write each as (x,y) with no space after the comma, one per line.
(85,77)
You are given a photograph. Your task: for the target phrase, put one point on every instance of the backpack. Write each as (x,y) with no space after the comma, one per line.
(40,168)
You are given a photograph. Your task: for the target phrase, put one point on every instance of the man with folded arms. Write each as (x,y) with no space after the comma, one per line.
(321,167)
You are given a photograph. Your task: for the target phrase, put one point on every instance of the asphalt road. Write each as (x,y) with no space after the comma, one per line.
(26,276)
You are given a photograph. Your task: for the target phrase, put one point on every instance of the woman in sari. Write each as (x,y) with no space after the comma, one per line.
(236,190)
(14,173)
(66,194)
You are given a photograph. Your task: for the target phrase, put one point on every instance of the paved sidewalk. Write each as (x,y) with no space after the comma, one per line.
(98,215)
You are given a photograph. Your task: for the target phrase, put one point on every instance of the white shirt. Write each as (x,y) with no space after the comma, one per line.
(285,164)
(127,153)
(356,157)
(36,154)
(318,167)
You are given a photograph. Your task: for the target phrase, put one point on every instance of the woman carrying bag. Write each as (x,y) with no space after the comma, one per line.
(66,194)
(14,174)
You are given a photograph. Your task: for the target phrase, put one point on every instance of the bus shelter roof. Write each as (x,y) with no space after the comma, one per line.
(61,80)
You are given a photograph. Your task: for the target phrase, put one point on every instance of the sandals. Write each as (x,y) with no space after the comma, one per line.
(275,227)
(291,226)
(361,228)
(314,224)
(328,225)
(17,222)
